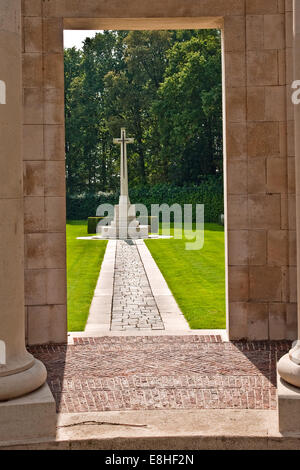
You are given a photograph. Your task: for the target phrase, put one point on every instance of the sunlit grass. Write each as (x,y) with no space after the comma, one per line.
(195,277)
(84,259)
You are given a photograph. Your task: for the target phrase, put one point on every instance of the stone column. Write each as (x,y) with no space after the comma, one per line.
(20,373)
(289,365)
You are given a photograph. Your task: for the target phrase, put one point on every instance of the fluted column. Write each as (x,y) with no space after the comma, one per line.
(20,373)
(289,365)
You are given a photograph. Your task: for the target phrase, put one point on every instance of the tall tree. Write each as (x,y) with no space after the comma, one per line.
(189,109)
(131,91)
(164,86)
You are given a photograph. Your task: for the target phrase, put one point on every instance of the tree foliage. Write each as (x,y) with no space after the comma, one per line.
(164,87)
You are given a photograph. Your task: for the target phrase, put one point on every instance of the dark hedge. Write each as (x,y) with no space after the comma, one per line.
(209,193)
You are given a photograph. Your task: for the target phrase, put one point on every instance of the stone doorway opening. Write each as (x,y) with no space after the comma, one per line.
(105,313)
(259,201)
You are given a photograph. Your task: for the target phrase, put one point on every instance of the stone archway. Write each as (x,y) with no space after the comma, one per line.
(259,170)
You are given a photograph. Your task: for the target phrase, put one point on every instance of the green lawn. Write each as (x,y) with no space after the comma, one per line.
(84,258)
(196,278)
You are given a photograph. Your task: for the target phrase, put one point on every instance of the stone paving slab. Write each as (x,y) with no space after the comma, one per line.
(167,430)
(161,372)
(100,310)
(93,331)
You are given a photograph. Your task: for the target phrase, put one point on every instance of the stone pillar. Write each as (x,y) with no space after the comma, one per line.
(296,33)
(289,365)
(20,373)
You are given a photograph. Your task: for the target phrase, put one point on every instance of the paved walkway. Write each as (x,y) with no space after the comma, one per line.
(133,304)
(161,372)
(132,296)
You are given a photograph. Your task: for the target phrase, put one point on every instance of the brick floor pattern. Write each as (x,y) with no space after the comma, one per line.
(161,372)
(133,307)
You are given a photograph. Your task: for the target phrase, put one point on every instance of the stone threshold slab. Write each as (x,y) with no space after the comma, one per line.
(96,333)
(168,430)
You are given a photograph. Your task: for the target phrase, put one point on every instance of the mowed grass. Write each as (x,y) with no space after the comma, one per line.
(196,278)
(84,259)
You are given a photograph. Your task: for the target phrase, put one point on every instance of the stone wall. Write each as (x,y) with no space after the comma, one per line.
(44,175)
(261,184)
(260,192)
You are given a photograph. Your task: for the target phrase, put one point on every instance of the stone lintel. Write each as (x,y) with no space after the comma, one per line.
(143,23)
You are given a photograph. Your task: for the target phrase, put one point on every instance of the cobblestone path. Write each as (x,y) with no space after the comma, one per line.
(133,305)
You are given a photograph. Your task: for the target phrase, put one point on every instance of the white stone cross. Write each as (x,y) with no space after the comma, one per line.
(123,141)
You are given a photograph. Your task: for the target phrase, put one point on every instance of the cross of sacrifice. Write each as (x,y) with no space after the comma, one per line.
(123,141)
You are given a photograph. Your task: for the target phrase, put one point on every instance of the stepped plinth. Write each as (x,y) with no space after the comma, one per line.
(124,227)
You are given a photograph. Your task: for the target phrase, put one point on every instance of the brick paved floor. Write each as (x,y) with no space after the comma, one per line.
(133,304)
(170,372)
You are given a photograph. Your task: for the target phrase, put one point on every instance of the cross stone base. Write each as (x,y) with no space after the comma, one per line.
(124,226)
